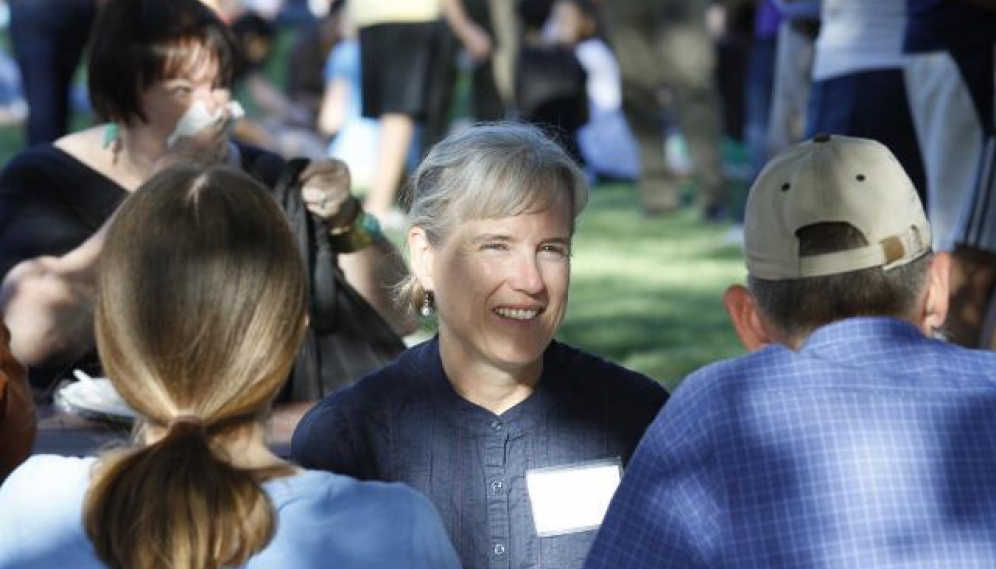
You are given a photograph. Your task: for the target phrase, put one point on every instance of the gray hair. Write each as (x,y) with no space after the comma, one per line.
(799,306)
(489,171)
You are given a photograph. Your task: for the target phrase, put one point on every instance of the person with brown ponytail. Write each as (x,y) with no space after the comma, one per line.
(201,309)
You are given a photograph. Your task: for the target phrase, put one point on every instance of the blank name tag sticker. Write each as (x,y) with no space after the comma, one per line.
(572,498)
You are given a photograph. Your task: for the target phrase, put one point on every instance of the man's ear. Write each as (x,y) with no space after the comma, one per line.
(937,297)
(421,257)
(747,321)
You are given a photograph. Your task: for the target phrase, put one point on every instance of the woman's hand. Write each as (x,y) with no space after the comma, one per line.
(48,303)
(476,41)
(325,186)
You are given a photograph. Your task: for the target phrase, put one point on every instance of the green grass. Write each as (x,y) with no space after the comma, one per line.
(11,142)
(646,292)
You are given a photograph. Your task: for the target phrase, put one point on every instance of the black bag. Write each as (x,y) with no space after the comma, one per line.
(346,337)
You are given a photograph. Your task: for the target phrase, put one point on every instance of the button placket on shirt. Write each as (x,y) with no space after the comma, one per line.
(497,498)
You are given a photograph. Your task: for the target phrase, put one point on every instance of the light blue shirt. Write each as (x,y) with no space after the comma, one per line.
(324,520)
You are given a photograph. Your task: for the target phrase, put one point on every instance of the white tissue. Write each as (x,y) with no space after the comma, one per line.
(198,117)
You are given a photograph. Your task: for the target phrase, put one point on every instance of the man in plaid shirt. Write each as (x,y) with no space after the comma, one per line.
(849,436)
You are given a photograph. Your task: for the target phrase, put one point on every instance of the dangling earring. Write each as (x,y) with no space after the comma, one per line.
(110,140)
(427,304)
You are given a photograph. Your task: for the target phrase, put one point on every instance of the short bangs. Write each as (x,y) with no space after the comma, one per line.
(492,171)
(513,187)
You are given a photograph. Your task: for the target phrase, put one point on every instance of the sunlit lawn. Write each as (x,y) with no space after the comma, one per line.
(647,292)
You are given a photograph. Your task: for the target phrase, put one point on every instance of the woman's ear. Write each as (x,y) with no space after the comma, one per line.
(421,257)
(747,321)
(938,294)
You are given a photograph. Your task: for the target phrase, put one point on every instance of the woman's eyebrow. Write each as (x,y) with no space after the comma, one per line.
(561,240)
(491,237)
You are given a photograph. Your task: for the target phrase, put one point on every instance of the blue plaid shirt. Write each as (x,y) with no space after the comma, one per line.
(869,447)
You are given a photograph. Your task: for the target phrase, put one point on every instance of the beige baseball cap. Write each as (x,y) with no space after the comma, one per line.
(833,179)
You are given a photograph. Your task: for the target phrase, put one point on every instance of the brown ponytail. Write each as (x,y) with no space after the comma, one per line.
(176,504)
(200,313)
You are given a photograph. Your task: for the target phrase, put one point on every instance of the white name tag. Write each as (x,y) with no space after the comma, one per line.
(572,498)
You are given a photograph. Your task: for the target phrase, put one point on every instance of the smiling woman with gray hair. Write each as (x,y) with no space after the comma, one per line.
(492,419)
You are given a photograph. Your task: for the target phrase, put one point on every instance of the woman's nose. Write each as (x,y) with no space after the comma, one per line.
(527,276)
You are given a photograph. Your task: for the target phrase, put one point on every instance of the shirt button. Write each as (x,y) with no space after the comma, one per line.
(499,549)
(496,425)
(496,486)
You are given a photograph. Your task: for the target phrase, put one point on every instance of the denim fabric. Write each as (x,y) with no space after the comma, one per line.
(869,447)
(759,87)
(870,104)
(940,24)
(406,423)
(48,37)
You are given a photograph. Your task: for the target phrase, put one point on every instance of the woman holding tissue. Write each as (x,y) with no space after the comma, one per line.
(158,73)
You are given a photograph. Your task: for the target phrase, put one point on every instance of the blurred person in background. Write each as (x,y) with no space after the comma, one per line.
(760,82)
(48,39)
(483,96)
(950,74)
(668,61)
(306,61)
(353,138)
(858,87)
(607,144)
(800,24)
(399,50)
(550,82)
(279,119)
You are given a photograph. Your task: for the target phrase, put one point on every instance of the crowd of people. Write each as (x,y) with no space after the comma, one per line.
(223,264)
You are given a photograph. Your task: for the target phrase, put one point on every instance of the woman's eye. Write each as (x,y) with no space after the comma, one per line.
(555,249)
(494,246)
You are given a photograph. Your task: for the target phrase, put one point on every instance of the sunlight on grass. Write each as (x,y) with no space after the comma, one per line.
(647,292)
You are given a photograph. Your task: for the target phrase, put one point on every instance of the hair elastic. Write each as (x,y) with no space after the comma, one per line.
(185,419)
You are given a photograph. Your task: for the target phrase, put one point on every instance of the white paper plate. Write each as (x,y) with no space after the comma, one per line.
(95,398)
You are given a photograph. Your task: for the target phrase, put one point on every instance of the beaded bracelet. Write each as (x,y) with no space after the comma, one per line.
(362,232)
